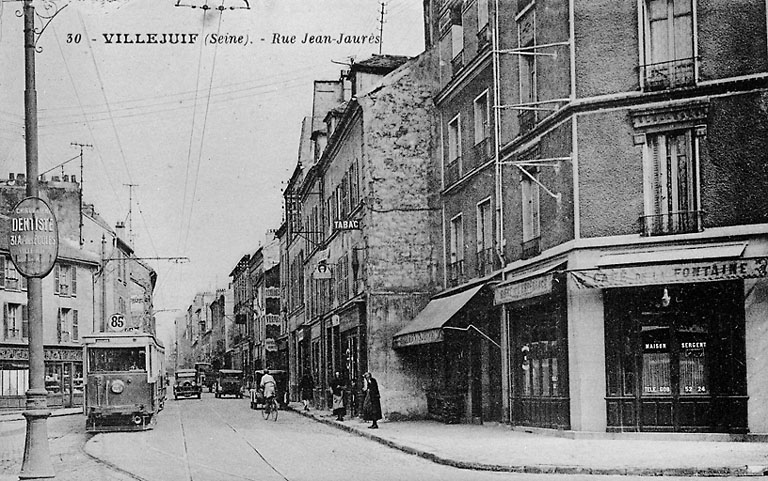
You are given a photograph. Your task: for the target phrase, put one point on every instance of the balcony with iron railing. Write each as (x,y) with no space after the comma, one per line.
(479,154)
(452,171)
(671,223)
(669,75)
(456,273)
(272,292)
(457,63)
(531,248)
(487,262)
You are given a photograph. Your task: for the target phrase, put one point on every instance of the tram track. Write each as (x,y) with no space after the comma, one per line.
(186,457)
(254,448)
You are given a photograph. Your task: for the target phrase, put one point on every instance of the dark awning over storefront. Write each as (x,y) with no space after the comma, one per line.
(426,327)
(673,266)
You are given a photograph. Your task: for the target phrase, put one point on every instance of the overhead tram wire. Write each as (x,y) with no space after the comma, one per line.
(85,118)
(106,100)
(273,81)
(192,132)
(55,125)
(202,135)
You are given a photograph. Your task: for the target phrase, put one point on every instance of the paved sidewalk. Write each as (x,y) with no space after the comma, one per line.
(496,447)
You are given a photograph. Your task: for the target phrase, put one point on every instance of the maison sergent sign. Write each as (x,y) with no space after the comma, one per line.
(33,237)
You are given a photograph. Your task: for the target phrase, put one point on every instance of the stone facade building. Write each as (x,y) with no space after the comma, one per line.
(362,228)
(624,176)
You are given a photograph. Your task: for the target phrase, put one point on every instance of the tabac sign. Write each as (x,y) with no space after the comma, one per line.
(33,239)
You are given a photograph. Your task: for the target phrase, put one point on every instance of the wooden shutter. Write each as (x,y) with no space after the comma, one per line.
(58,326)
(24,322)
(56,279)
(75,325)
(73,289)
(5,320)
(2,272)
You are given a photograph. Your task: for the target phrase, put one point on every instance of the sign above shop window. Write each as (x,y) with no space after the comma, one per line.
(673,273)
(525,289)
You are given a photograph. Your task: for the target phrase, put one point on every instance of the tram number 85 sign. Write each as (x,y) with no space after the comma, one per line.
(116,323)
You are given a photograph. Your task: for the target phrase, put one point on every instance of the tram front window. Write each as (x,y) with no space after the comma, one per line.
(106,359)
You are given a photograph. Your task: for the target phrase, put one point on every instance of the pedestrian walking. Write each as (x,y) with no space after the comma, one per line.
(337,392)
(307,387)
(372,401)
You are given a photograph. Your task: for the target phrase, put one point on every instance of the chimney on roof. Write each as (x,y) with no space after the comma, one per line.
(73,178)
(11,176)
(20,177)
(120,229)
(65,178)
(55,178)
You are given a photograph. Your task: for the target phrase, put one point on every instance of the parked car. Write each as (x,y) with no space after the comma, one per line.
(187,384)
(281,388)
(207,376)
(229,382)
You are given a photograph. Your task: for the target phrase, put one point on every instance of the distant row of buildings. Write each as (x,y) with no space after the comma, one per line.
(554,217)
(97,275)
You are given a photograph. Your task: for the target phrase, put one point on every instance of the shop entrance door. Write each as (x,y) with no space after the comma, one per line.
(675,358)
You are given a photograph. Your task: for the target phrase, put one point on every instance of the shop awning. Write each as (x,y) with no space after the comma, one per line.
(677,254)
(426,327)
(527,285)
(680,265)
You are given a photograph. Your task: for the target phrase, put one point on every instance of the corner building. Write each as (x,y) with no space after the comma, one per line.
(625,176)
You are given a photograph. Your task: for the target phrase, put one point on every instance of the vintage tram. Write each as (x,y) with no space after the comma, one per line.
(125,381)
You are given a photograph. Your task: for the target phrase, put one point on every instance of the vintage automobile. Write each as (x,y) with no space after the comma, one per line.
(229,382)
(281,389)
(206,375)
(187,384)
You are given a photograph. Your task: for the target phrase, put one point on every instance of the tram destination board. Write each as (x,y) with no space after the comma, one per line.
(33,239)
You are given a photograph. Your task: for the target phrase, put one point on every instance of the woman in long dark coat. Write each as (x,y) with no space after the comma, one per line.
(372,402)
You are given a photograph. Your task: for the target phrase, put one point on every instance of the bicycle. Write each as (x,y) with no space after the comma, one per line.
(270,408)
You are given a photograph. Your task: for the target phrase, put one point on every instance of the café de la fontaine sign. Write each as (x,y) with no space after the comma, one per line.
(33,237)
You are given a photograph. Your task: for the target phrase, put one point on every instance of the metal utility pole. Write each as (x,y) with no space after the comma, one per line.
(37,460)
(130,211)
(381,28)
(77,144)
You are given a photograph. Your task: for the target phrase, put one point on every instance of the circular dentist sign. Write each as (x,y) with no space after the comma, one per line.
(33,237)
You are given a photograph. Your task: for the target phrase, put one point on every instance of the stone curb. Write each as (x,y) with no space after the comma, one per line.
(723,471)
(18,416)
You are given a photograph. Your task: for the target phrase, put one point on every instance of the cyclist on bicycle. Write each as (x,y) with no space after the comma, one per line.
(267,385)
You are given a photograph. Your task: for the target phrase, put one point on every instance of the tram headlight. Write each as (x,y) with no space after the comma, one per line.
(117,386)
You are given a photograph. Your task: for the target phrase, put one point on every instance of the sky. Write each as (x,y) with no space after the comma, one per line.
(207,133)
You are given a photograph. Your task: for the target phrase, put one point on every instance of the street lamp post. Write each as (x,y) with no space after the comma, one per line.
(37,460)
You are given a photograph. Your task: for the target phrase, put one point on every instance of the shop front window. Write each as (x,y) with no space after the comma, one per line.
(673,352)
(539,360)
(656,366)
(692,338)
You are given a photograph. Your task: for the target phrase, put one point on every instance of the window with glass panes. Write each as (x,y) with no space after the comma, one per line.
(668,43)
(671,187)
